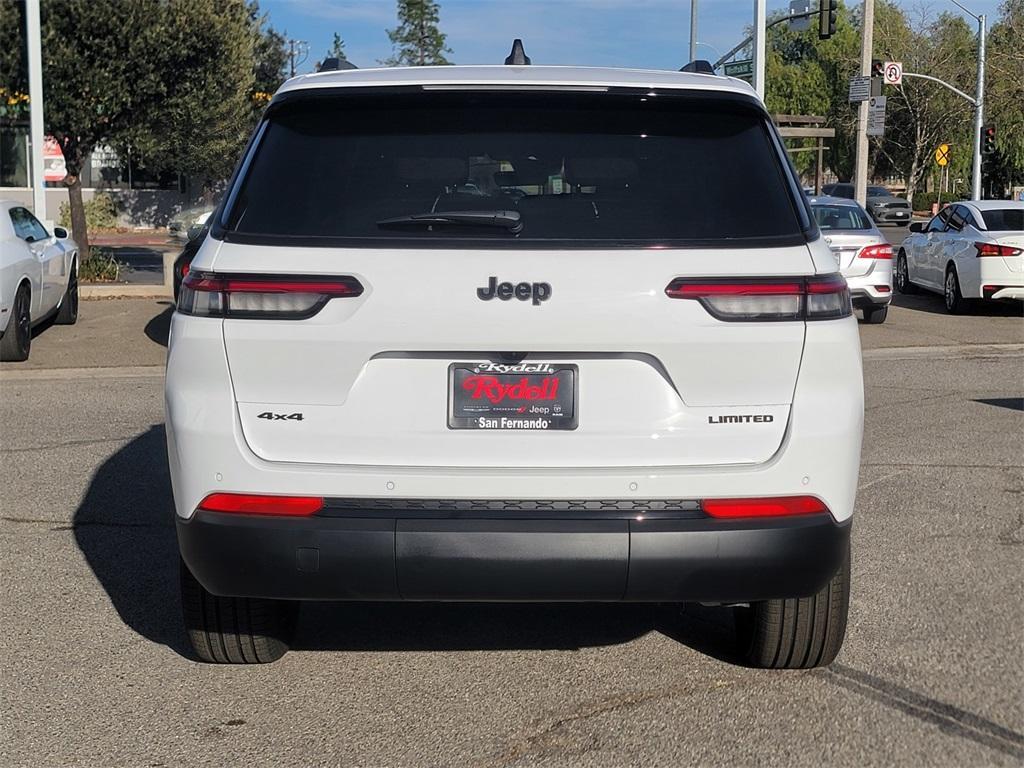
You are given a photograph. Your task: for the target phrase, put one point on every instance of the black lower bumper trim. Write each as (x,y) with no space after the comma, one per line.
(396,558)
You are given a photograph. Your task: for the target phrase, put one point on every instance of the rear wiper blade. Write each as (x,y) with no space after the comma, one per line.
(510,220)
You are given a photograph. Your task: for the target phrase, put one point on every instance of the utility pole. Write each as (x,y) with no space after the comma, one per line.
(298,52)
(979,111)
(35,103)
(693,30)
(760,36)
(860,172)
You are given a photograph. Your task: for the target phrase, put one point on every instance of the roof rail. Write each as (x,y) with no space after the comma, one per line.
(700,66)
(517,57)
(333,63)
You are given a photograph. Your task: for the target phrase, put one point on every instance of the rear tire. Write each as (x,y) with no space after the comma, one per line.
(68,312)
(17,339)
(235,630)
(798,633)
(876,316)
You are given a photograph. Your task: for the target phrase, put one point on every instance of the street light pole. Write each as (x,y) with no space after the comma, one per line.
(979,112)
(35,103)
(693,30)
(760,38)
(860,170)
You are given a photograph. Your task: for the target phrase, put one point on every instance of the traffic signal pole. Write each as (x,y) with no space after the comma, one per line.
(860,168)
(979,110)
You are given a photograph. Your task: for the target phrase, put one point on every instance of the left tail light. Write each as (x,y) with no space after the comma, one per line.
(824,297)
(282,297)
(876,252)
(993,249)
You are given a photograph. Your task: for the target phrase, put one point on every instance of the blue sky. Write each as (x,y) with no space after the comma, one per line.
(622,33)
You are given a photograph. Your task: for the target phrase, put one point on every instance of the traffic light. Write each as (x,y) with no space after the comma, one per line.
(877,68)
(988,139)
(828,10)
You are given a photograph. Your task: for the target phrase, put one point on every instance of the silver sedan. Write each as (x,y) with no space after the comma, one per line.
(862,253)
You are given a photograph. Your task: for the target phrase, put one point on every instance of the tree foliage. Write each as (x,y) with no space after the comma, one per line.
(417,40)
(806,75)
(178,83)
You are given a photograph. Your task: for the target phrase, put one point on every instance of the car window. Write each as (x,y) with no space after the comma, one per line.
(956,218)
(576,169)
(938,223)
(1004,219)
(840,217)
(27,226)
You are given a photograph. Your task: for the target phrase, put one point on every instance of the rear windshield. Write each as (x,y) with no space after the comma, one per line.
(1004,219)
(840,217)
(570,168)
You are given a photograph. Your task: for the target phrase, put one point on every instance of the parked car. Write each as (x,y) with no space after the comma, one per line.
(183,262)
(863,254)
(612,386)
(882,205)
(38,278)
(971,250)
(187,223)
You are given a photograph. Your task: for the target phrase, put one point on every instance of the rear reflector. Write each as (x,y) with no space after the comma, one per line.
(254,504)
(994,249)
(283,297)
(876,252)
(778,506)
(822,297)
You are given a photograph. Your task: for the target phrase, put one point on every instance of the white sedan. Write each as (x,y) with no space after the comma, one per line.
(38,278)
(970,250)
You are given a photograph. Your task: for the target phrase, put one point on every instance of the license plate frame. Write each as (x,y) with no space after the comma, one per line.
(496,406)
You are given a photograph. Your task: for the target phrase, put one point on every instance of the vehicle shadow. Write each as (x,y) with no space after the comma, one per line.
(124,527)
(934,304)
(158,329)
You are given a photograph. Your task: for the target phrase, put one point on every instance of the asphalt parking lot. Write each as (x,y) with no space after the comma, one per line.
(96,670)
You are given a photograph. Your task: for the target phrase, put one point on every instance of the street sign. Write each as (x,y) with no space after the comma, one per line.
(799,7)
(742,69)
(942,154)
(876,116)
(860,88)
(892,71)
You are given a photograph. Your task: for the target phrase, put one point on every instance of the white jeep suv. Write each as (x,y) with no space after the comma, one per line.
(510,333)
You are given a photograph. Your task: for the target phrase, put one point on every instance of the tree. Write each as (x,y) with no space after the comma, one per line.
(170,79)
(270,57)
(417,40)
(1004,91)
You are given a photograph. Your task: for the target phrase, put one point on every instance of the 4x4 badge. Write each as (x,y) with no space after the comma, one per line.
(539,292)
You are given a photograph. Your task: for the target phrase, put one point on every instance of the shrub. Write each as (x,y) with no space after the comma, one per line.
(100,213)
(100,267)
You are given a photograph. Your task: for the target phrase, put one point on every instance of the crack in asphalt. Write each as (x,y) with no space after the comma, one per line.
(58,526)
(544,740)
(69,443)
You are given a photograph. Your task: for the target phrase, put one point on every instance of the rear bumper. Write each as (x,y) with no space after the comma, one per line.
(1004,292)
(407,555)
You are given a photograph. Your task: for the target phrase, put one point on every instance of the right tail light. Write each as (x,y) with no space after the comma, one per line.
(824,297)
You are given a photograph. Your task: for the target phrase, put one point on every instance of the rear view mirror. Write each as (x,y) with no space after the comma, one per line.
(60,233)
(917,226)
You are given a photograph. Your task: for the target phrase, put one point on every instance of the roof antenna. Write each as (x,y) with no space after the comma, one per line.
(334,63)
(518,57)
(700,66)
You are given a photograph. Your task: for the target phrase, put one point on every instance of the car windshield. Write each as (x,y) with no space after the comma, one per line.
(840,217)
(1004,219)
(878,192)
(606,169)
